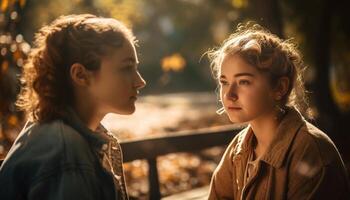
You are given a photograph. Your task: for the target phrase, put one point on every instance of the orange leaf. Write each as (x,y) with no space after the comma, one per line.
(4,66)
(4,5)
(12,120)
(22,3)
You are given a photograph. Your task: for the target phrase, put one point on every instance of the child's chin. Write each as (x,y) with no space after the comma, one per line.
(128,112)
(125,111)
(237,120)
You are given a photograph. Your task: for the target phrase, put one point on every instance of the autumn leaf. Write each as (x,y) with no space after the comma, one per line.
(174,63)
(4,5)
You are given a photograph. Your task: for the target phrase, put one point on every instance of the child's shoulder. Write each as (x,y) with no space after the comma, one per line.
(49,141)
(54,133)
(311,140)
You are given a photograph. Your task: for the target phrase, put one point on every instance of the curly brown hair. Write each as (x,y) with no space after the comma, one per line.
(47,89)
(271,55)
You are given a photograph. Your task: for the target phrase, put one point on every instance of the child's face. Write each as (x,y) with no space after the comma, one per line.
(245,92)
(116,84)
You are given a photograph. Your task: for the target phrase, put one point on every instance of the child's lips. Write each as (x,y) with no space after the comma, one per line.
(234,108)
(134,96)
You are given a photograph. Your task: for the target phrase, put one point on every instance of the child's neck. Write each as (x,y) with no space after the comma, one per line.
(265,129)
(88,114)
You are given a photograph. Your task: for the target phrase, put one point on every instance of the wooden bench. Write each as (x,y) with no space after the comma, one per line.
(194,194)
(185,141)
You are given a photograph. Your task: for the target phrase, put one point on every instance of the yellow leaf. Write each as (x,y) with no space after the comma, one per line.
(340,88)
(341,97)
(174,62)
(239,3)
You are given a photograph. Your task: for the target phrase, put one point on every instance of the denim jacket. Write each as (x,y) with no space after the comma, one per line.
(58,160)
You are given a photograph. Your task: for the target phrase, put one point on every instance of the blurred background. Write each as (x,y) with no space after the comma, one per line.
(181,93)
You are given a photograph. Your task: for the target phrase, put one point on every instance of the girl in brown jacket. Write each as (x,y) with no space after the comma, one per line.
(279,155)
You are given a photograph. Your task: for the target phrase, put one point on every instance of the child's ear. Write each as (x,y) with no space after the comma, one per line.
(282,88)
(79,75)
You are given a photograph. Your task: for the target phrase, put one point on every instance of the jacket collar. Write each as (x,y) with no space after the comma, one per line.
(96,138)
(279,147)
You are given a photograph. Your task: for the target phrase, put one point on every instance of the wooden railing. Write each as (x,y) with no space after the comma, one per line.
(186,141)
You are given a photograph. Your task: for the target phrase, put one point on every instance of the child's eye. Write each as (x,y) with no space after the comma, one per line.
(223,82)
(244,82)
(129,68)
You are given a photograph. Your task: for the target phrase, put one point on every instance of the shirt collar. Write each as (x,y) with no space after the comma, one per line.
(277,151)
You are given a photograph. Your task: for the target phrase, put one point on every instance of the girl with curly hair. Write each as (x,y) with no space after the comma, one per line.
(81,68)
(279,155)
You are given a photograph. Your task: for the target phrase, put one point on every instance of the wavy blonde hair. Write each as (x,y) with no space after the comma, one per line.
(84,39)
(271,55)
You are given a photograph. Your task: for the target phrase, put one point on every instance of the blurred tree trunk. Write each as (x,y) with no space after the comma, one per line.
(268,14)
(330,118)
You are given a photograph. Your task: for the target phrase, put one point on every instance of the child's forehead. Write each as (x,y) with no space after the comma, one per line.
(126,52)
(234,63)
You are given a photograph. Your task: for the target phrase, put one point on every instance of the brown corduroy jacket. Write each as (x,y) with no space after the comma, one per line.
(301,163)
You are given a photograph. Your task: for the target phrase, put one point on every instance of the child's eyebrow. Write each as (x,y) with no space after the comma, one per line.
(243,74)
(238,75)
(130,59)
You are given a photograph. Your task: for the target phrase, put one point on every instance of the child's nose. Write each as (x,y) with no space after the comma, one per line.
(140,82)
(232,93)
